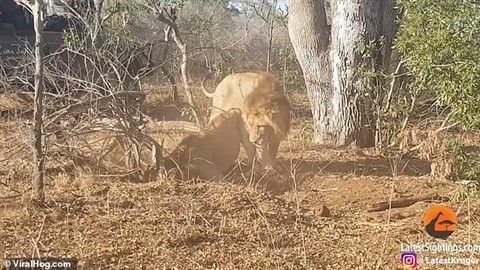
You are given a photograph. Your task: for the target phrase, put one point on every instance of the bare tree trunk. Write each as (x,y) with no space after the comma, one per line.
(166,72)
(271,27)
(269,19)
(169,16)
(38,173)
(183,67)
(97,20)
(309,34)
(330,60)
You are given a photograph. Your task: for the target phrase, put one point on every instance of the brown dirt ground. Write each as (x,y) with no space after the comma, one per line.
(317,216)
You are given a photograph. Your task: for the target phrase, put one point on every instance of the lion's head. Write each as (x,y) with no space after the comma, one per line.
(266,112)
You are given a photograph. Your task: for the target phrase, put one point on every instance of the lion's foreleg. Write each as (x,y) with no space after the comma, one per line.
(251,152)
(263,152)
(247,145)
(273,150)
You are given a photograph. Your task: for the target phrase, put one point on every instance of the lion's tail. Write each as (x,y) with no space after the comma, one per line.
(208,94)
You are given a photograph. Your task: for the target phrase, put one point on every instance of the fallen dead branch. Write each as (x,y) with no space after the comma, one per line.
(404,202)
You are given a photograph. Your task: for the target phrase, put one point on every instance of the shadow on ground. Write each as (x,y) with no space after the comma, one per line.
(296,171)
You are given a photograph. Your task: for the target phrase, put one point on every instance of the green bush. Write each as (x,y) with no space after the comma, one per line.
(466,160)
(440,41)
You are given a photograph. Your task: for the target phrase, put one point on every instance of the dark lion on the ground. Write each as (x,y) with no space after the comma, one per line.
(212,153)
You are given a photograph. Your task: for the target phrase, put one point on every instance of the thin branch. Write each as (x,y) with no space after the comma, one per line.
(11,188)
(392,86)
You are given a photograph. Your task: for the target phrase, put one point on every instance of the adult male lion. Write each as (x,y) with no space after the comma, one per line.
(265,110)
(211,153)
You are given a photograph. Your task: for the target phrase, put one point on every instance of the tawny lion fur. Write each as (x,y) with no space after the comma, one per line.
(265,110)
(211,153)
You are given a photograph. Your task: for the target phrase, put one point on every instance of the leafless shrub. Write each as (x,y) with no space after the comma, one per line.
(92,95)
(98,98)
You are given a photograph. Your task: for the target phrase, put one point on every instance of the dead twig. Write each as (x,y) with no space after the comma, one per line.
(401,203)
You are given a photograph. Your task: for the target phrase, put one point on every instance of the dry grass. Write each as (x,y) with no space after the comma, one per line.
(316,216)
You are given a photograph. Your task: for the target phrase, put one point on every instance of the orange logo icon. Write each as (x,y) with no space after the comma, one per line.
(440,221)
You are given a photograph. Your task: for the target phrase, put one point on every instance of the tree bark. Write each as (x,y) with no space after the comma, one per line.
(309,34)
(39,156)
(330,59)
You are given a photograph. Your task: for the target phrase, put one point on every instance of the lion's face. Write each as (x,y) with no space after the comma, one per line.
(259,130)
(261,134)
